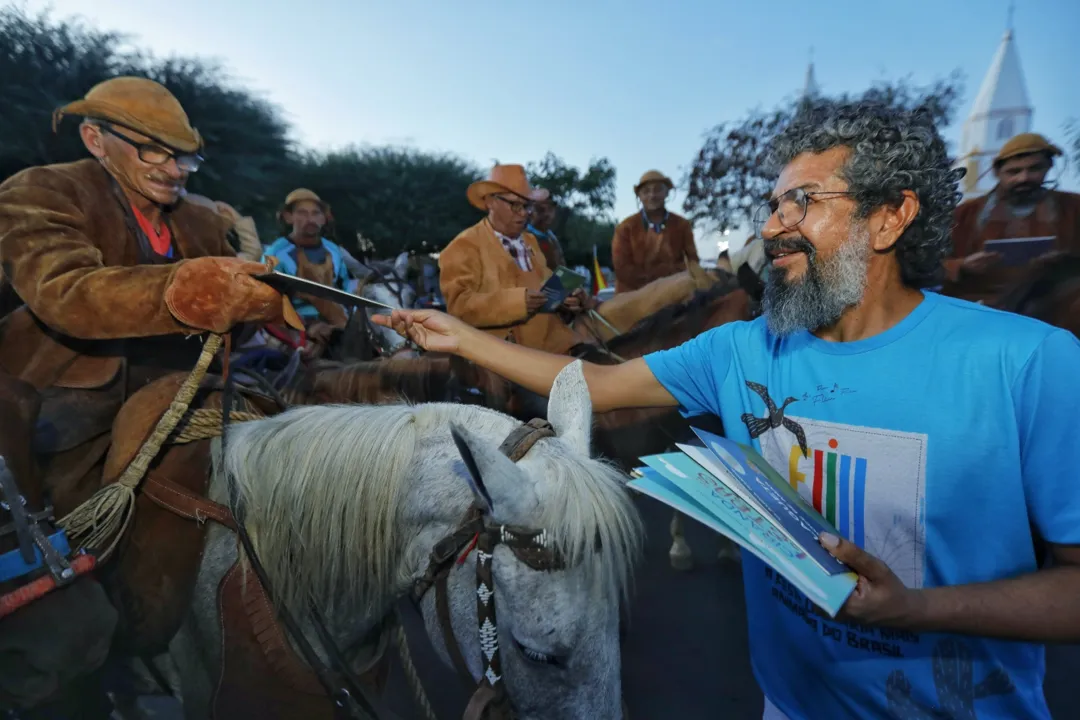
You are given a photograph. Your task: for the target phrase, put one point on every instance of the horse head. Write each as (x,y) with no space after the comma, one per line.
(451,503)
(389,286)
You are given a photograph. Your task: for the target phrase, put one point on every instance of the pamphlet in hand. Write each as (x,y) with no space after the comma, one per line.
(779,529)
(1020,251)
(562,282)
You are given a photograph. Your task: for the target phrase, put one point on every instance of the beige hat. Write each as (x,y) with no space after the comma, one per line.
(503,178)
(654,176)
(1025,144)
(138,104)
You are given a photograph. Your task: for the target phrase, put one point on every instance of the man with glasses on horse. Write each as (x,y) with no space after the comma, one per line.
(1021,205)
(492,273)
(117,276)
(949,426)
(653,243)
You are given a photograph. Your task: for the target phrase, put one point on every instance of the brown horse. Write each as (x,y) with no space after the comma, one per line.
(47,668)
(1048,291)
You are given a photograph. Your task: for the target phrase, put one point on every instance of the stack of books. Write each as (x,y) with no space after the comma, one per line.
(730,488)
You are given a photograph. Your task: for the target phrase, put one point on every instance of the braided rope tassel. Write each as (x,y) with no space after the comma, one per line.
(412,677)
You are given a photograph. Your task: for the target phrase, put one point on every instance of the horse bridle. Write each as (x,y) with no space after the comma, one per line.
(476,531)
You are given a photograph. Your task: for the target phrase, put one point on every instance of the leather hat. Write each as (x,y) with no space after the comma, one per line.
(138,104)
(1025,144)
(502,179)
(654,176)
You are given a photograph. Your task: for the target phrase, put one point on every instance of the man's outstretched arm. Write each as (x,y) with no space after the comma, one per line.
(611,387)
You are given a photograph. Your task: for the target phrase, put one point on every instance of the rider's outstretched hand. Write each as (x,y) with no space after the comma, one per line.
(432,330)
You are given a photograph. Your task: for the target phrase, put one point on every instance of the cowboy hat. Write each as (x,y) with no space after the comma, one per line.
(503,178)
(137,104)
(300,195)
(1025,144)
(654,176)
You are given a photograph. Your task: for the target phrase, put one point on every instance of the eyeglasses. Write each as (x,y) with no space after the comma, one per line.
(156,155)
(789,207)
(517,206)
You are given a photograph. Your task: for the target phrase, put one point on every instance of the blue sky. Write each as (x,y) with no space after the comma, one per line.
(638,82)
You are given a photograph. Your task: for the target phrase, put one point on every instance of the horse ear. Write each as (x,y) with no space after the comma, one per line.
(570,407)
(500,486)
(401,265)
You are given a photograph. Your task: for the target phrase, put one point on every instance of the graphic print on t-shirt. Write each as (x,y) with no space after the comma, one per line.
(868,482)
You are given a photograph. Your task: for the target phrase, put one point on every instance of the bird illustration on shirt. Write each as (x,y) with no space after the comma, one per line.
(774,419)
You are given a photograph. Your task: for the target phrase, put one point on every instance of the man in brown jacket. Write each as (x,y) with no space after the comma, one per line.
(491,274)
(1020,206)
(117,274)
(654,243)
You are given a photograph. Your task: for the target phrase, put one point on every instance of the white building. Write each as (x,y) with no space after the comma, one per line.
(1001,110)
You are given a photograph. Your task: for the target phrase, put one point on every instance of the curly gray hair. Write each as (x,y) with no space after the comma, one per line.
(892,150)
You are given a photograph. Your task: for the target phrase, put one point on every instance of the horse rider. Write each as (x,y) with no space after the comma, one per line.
(117,273)
(1021,205)
(491,274)
(654,242)
(543,218)
(304,252)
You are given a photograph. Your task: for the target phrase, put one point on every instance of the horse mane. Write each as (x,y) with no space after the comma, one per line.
(332,480)
(674,323)
(1044,277)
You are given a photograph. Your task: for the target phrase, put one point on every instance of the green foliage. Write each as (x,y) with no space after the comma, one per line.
(729,177)
(1072,145)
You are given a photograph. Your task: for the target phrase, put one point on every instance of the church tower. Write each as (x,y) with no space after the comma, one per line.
(1001,110)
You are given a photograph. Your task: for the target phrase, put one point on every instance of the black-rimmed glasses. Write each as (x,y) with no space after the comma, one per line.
(517,206)
(790,207)
(153,154)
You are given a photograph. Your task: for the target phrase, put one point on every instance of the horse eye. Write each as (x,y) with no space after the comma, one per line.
(536,656)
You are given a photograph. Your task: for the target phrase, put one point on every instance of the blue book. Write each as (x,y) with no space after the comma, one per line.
(676,480)
(780,502)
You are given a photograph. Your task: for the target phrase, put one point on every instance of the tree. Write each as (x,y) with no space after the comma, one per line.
(729,176)
(1072,144)
(45,64)
(586,200)
(399,198)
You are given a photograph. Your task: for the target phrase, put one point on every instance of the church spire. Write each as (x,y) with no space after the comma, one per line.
(810,86)
(1001,110)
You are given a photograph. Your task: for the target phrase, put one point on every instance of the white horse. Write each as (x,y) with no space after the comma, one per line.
(344,505)
(389,286)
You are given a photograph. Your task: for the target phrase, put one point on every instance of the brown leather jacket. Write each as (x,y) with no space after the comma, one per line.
(485,287)
(640,255)
(94,293)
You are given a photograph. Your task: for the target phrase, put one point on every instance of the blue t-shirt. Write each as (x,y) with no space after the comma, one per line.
(936,446)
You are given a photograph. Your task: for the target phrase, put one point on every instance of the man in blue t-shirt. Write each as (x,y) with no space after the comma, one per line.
(938,436)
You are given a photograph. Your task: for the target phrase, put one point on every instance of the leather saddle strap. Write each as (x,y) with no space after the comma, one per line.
(181,501)
(518,443)
(442,612)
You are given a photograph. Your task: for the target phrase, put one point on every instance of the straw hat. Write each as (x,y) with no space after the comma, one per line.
(503,178)
(654,176)
(1025,144)
(138,104)
(301,194)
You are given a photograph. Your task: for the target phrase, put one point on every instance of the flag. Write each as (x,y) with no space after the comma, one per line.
(598,282)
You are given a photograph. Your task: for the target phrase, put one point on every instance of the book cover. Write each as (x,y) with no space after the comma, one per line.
(1020,251)
(562,282)
(677,481)
(781,502)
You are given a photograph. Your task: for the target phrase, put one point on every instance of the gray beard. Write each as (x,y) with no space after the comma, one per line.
(828,288)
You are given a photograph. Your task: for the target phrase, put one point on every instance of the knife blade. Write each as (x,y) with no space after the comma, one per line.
(291,285)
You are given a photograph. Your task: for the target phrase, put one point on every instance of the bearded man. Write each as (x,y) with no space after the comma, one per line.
(491,273)
(941,417)
(1020,206)
(653,243)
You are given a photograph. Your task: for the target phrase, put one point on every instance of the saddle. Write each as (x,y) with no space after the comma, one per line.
(152,581)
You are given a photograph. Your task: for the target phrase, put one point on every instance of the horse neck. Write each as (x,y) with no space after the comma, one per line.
(669,328)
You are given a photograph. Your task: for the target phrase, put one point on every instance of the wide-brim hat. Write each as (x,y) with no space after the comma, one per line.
(654,176)
(502,179)
(138,104)
(1025,144)
(302,194)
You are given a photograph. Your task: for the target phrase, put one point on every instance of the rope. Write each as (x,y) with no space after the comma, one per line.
(411,675)
(205,423)
(101,521)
